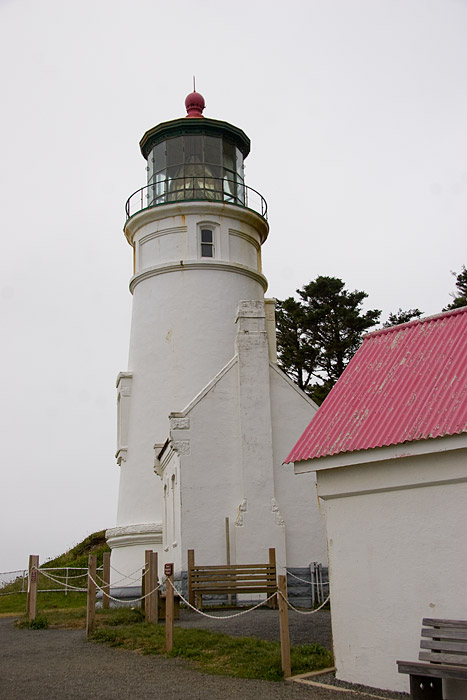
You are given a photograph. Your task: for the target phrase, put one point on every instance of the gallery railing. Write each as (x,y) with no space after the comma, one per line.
(196,188)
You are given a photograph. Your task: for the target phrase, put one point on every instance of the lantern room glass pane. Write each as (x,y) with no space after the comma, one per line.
(193,148)
(239,163)
(158,153)
(160,187)
(229,156)
(229,186)
(150,167)
(175,151)
(195,169)
(213,150)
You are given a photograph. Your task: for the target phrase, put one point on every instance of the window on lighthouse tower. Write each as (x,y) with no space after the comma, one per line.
(207,243)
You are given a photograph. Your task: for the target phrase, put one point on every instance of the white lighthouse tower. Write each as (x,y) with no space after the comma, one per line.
(203,398)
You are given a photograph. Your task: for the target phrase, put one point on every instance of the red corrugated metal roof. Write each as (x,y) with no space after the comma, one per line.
(405,383)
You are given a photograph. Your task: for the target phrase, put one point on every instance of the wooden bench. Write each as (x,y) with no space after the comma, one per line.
(444,647)
(231,579)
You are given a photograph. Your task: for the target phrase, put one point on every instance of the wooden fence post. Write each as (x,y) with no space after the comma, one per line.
(151,610)
(227,553)
(145,588)
(91,601)
(32,586)
(272,562)
(106,580)
(169,607)
(284,626)
(191,563)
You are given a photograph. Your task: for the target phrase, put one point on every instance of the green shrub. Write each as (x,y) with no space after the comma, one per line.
(39,623)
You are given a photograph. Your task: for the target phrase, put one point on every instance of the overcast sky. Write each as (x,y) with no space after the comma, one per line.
(357,113)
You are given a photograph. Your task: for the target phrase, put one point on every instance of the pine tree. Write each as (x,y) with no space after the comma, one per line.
(459,299)
(318,334)
(400,316)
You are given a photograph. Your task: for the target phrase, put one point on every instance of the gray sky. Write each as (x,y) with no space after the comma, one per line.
(357,113)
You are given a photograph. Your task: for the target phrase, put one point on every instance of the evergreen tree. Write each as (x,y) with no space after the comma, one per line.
(459,299)
(402,317)
(318,334)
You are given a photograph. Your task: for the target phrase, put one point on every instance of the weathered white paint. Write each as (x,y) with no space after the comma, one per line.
(226,449)
(397,539)
(182,333)
(124,381)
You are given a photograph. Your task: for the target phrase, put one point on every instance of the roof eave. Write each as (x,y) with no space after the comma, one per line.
(446,443)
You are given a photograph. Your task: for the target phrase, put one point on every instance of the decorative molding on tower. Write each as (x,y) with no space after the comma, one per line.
(162,232)
(242,508)
(202,208)
(246,237)
(123,384)
(189,265)
(275,509)
(179,423)
(141,533)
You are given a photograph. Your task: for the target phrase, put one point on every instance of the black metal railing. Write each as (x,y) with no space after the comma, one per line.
(196,188)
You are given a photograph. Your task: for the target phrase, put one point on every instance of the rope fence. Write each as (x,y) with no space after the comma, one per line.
(303,580)
(123,600)
(220,617)
(17,578)
(151,588)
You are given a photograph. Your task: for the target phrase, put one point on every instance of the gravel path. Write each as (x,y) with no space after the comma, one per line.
(264,623)
(60,664)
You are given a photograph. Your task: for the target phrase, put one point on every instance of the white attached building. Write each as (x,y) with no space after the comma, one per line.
(389,447)
(203,398)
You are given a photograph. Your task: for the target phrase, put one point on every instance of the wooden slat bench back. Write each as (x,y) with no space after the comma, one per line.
(443,654)
(230,579)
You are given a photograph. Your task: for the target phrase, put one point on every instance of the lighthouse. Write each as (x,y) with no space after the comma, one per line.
(205,416)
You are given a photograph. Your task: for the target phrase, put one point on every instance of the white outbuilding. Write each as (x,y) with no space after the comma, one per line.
(389,447)
(205,416)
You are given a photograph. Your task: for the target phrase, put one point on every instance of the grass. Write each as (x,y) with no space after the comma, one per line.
(15,604)
(210,652)
(77,556)
(217,653)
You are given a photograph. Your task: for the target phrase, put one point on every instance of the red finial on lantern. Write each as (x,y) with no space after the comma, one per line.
(194,104)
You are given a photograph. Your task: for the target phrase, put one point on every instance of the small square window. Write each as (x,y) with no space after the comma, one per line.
(207,243)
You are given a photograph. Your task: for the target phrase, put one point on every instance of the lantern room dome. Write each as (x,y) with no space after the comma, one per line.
(194,104)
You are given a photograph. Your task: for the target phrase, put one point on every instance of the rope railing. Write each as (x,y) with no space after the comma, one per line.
(187,603)
(310,583)
(65,577)
(152,609)
(127,576)
(304,612)
(122,600)
(57,581)
(15,571)
(17,577)
(220,617)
